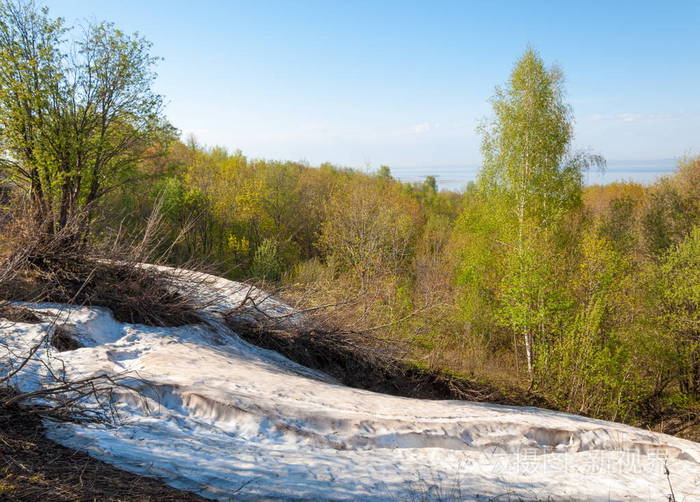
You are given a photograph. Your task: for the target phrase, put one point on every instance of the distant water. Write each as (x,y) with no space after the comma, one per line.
(456,177)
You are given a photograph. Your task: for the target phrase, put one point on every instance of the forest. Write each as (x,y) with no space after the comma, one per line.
(586,297)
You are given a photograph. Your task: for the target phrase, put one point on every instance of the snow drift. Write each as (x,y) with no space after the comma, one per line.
(215,415)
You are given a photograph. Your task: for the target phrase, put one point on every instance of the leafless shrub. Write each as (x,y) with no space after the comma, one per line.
(60,398)
(86,399)
(356,357)
(61,268)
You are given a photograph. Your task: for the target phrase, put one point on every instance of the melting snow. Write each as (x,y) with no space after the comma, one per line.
(217,416)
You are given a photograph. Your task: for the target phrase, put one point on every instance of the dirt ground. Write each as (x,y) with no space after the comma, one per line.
(33,468)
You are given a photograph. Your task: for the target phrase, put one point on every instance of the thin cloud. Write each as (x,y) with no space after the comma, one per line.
(423,128)
(633,117)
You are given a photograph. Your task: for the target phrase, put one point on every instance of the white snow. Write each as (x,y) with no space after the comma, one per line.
(214,415)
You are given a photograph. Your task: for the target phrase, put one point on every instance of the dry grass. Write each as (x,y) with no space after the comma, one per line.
(63,339)
(681,421)
(133,294)
(63,268)
(13,313)
(360,360)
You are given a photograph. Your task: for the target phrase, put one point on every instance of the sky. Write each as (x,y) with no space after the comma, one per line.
(402,83)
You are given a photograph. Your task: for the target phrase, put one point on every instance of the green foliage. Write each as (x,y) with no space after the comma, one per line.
(530,300)
(618,224)
(530,175)
(668,218)
(369,227)
(478,239)
(76,114)
(678,284)
(673,208)
(590,367)
(384,172)
(564,287)
(266,263)
(430,185)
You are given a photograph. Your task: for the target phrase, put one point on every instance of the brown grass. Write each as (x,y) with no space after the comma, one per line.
(13,313)
(63,268)
(133,294)
(362,361)
(63,339)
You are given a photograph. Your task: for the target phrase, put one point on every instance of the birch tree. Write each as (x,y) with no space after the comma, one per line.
(528,167)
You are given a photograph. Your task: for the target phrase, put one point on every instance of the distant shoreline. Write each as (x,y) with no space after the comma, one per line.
(456,177)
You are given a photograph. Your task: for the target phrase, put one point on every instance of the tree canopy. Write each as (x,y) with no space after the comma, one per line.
(77,111)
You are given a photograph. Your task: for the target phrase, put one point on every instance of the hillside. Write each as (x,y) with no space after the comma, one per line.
(206,412)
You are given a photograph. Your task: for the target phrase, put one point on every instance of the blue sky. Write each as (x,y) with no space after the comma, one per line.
(364,83)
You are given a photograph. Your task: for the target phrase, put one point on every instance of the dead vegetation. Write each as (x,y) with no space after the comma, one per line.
(684,423)
(64,268)
(33,468)
(361,360)
(13,313)
(64,339)
(134,294)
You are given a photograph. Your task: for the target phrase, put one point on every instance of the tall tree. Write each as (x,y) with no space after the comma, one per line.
(76,113)
(528,166)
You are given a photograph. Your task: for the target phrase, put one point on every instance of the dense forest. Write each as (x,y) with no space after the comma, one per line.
(586,296)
